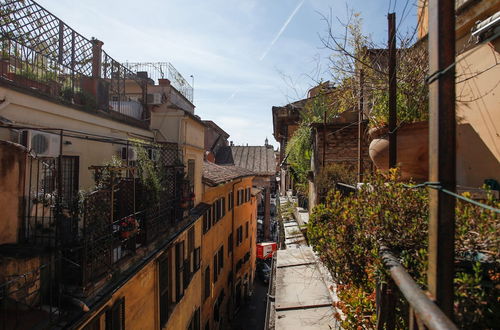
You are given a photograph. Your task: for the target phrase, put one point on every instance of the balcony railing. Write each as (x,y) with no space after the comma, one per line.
(40,53)
(76,241)
(164,70)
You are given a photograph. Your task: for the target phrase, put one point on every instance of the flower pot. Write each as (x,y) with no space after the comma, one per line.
(412,150)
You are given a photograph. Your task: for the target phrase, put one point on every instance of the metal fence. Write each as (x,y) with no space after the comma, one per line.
(163,70)
(41,53)
(73,238)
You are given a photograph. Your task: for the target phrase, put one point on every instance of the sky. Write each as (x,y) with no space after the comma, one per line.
(245,55)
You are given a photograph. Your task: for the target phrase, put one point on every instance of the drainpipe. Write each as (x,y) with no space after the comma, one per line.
(233,248)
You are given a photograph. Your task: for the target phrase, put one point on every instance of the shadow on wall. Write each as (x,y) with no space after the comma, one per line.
(475,162)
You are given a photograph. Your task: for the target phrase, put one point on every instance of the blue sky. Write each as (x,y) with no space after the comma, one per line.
(238,51)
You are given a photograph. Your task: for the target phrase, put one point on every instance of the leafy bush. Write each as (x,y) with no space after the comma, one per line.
(347,233)
(332,174)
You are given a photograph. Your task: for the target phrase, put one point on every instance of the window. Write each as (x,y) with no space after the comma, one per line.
(214,216)
(230,243)
(246,229)
(239,235)
(218,306)
(248,194)
(216,267)
(221,258)
(230,201)
(207,222)
(207,283)
(70,171)
(191,249)
(179,270)
(194,324)
(197,258)
(239,197)
(215,212)
(223,207)
(164,277)
(115,317)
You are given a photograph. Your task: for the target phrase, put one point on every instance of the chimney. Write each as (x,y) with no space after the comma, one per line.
(164,82)
(96,57)
(231,144)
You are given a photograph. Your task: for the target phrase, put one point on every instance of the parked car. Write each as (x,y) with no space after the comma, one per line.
(263,271)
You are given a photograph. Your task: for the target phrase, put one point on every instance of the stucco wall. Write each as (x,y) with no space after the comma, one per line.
(141,301)
(12,168)
(24,109)
(478,115)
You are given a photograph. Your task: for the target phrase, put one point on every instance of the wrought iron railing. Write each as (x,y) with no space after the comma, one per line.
(164,70)
(39,52)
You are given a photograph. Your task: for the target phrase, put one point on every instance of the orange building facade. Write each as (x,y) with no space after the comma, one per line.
(228,241)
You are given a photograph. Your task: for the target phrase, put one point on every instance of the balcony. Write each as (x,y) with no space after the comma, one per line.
(42,55)
(71,243)
(164,70)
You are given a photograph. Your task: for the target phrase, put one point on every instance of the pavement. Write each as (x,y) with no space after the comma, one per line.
(252,314)
(304,291)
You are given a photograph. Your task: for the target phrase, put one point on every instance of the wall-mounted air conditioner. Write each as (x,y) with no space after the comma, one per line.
(132,155)
(42,144)
(154,98)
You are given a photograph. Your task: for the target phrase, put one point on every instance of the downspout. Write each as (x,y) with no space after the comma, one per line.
(233,248)
(182,142)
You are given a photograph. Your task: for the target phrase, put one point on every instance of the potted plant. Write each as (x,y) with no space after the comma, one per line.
(412,127)
(128,227)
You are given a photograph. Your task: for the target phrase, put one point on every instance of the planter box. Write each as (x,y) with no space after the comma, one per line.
(412,150)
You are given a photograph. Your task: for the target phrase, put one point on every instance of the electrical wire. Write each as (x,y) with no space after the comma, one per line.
(438,74)
(437,186)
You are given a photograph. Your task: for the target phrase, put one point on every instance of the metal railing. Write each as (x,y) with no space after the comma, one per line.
(163,70)
(40,53)
(75,238)
(422,312)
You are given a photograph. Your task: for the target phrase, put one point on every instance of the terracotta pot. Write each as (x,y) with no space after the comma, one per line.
(412,150)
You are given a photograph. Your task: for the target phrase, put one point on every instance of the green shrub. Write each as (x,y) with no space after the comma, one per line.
(347,233)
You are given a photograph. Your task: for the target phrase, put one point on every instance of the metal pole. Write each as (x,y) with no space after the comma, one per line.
(391,18)
(442,152)
(324,140)
(360,127)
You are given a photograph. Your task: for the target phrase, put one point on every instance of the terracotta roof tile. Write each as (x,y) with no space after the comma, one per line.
(214,174)
(258,159)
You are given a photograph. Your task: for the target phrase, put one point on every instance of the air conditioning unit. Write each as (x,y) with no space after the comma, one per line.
(132,155)
(43,144)
(154,98)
